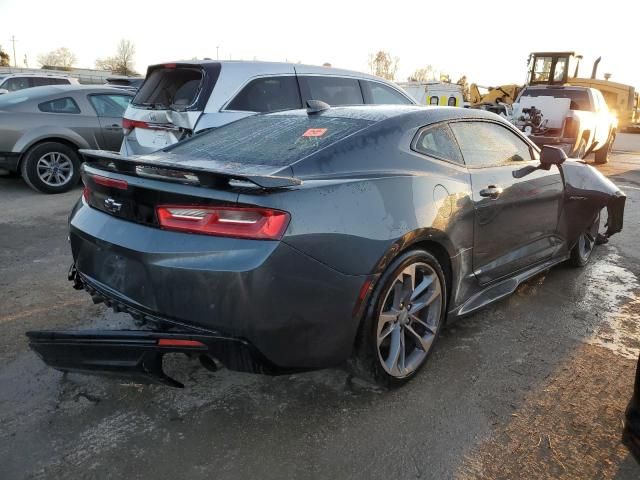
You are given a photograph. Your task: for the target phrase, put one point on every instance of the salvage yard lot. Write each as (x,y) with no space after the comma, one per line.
(534,386)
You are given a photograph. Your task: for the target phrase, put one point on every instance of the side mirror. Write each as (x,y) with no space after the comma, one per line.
(551,156)
(3,91)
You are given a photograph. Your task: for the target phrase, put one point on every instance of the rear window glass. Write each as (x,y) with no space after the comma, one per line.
(579,98)
(275,140)
(169,87)
(59,105)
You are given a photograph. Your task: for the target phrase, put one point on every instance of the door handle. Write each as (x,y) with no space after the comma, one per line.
(491,191)
(115,126)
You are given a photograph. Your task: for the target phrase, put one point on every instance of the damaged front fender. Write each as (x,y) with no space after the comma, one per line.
(587,189)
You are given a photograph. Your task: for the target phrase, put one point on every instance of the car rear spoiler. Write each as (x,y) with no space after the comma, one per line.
(137,354)
(172,172)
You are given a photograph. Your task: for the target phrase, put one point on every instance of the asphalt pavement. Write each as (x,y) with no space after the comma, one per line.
(533,386)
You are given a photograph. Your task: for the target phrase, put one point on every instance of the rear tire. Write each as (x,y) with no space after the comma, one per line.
(582,250)
(403,320)
(51,167)
(602,156)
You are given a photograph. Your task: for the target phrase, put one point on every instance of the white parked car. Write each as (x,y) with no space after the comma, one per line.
(179,99)
(12,82)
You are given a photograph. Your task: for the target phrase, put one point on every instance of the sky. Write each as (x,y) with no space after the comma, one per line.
(486,41)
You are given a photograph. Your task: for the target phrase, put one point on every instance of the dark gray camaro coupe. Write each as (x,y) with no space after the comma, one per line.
(302,239)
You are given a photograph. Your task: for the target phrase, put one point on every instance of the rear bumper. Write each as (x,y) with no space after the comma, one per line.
(296,311)
(9,161)
(137,355)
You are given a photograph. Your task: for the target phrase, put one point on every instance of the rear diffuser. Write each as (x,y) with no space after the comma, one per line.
(137,354)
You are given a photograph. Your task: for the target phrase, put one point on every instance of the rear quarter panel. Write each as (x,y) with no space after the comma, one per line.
(366,200)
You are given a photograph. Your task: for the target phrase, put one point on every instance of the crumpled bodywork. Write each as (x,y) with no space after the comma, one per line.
(585,185)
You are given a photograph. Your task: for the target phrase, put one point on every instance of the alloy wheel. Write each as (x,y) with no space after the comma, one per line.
(409,319)
(54,169)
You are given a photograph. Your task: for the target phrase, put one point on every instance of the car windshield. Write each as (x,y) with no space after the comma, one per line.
(274,140)
(579,98)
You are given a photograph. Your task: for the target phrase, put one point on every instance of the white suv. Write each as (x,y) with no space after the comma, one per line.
(12,82)
(179,99)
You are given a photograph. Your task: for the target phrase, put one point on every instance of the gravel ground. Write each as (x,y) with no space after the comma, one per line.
(531,387)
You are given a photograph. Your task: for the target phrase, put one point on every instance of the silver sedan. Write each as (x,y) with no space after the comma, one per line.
(42,128)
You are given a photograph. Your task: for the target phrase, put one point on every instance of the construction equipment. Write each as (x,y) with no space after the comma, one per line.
(562,68)
(495,99)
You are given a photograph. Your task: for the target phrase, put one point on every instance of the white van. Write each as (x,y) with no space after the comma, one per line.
(179,99)
(435,93)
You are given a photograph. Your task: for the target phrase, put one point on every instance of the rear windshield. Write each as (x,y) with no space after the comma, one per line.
(169,88)
(274,140)
(579,98)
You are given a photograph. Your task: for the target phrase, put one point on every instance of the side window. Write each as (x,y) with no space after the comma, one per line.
(486,144)
(17,83)
(451,102)
(335,90)
(58,81)
(40,82)
(378,93)
(438,141)
(268,95)
(433,100)
(110,105)
(59,105)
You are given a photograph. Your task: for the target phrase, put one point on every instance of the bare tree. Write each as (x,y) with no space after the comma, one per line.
(422,74)
(60,57)
(383,65)
(4,58)
(122,61)
(444,77)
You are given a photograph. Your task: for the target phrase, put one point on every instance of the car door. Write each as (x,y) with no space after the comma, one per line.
(110,108)
(517,206)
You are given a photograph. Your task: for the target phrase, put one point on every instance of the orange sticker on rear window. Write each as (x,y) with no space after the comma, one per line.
(315,132)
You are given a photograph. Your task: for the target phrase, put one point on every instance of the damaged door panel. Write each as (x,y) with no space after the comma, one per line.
(587,191)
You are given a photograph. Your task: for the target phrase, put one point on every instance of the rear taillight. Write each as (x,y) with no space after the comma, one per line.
(110,182)
(128,124)
(86,193)
(241,222)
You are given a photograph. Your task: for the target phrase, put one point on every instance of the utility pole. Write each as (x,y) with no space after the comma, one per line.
(15,60)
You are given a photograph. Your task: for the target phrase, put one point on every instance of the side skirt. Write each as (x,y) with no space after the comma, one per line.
(503,288)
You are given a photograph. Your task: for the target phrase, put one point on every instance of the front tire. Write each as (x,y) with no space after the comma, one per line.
(51,167)
(403,320)
(602,156)
(582,250)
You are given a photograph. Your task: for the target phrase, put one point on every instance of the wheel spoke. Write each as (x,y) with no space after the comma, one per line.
(423,343)
(394,351)
(424,284)
(397,295)
(385,333)
(402,363)
(427,299)
(432,328)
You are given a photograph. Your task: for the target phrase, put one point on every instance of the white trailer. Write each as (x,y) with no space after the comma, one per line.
(435,93)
